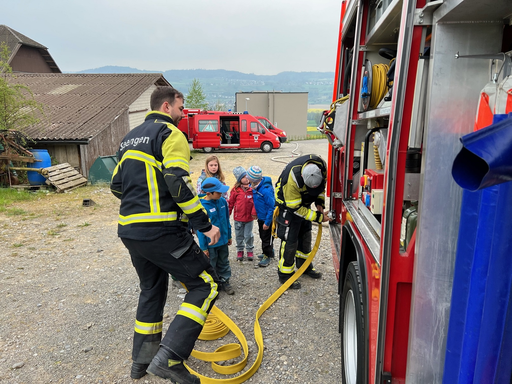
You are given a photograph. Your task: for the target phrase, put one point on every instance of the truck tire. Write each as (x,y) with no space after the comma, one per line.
(266,146)
(207,149)
(353,359)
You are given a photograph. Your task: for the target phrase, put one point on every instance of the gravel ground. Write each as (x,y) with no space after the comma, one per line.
(68,294)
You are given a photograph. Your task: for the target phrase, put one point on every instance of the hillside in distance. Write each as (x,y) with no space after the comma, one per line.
(221,85)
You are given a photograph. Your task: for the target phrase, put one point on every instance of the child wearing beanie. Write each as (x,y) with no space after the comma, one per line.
(241,203)
(264,201)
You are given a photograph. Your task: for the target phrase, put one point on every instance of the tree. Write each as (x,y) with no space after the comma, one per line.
(218,106)
(196,97)
(18,107)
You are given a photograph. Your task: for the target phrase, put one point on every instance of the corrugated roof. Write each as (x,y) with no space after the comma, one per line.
(79,106)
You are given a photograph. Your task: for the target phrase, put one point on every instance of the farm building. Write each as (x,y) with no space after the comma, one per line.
(87,115)
(25,54)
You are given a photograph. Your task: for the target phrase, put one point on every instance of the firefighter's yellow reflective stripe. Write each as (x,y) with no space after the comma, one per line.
(191,206)
(175,150)
(214,290)
(311,215)
(158,113)
(192,312)
(154,194)
(148,217)
(180,163)
(141,156)
(115,169)
(280,266)
(188,183)
(301,255)
(232,351)
(293,203)
(287,270)
(148,328)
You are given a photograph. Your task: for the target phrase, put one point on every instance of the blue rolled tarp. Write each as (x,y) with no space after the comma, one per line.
(486,158)
(479,342)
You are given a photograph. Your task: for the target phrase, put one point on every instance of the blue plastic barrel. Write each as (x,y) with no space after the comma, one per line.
(35,178)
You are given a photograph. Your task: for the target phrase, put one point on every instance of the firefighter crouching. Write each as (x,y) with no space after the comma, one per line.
(157,199)
(301,184)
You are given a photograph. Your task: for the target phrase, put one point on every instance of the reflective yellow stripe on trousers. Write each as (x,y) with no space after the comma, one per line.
(148,328)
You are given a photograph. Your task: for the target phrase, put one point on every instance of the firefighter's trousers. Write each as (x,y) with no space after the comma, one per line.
(295,235)
(154,261)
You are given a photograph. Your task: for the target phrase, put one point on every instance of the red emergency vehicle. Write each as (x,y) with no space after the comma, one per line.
(272,128)
(407,83)
(184,124)
(214,130)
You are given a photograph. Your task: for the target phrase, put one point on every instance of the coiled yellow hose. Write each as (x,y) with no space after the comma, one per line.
(219,324)
(379,84)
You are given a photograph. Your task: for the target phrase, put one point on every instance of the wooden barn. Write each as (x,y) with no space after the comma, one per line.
(87,115)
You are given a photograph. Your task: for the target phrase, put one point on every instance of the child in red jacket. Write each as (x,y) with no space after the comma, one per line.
(240,201)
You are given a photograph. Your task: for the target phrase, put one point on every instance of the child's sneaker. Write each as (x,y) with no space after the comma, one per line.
(228,288)
(250,256)
(264,262)
(240,255)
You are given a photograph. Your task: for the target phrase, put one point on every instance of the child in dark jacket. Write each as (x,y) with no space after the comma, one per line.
(264,201)
(240,201)
(218,212)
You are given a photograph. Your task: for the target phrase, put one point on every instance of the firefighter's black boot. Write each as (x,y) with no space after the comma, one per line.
(294,285)
(138,370)
(165,367)
(313,273)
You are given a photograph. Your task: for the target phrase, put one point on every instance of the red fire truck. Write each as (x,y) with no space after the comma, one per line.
(214,130)
(407,84)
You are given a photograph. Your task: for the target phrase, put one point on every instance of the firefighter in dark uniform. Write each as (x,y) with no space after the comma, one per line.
(301,184)
(157,199)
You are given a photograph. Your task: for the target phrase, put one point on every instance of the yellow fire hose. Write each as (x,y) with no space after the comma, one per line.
(219,324)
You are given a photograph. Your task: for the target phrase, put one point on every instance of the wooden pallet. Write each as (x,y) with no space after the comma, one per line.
(64,177)
(31,188)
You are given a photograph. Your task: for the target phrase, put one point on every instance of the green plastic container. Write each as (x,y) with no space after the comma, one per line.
(102,169)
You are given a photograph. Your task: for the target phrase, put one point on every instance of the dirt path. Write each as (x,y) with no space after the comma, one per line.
(68,294)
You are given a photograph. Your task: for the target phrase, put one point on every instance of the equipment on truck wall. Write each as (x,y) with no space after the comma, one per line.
(409,221)
(395,241)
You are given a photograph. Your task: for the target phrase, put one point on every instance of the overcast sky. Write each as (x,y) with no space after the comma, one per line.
(263,37)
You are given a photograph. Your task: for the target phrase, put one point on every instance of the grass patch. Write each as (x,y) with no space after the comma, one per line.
(15,212)
(85,224)
(62,225)
(51,232)
(17,245)
(9,196)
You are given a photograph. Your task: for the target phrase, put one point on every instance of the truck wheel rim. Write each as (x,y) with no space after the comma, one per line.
(350,339)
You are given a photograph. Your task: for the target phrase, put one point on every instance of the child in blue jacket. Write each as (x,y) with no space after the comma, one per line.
(218,212)
(264,201)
